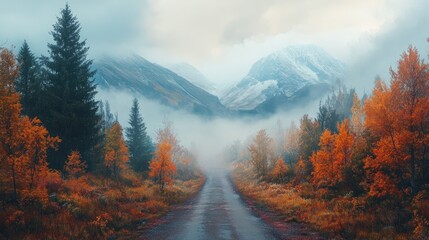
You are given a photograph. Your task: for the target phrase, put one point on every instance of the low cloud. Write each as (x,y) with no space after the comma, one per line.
(379,51)
(108,25)
(223,38)
(207,137)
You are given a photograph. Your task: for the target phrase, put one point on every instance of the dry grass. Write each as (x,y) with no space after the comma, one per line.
(94,207)
(340,217)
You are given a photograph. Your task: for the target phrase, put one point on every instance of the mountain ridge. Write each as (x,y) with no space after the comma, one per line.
(283,73)
(284,79)
(153,81)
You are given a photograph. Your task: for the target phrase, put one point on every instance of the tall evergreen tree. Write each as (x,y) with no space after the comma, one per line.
(71,109)
(139,143)
(29,82)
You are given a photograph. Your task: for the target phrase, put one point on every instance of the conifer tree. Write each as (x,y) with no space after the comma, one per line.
(138,142)
(71,111)
(29,82)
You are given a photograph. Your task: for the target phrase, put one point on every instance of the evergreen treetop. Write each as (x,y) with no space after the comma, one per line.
(138,142)
(29,82)
(71,109)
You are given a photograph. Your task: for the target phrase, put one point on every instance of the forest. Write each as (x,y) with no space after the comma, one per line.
(66,170)
(69,170)
(359,170)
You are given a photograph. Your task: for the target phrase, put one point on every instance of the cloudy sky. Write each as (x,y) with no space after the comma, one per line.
(223,38)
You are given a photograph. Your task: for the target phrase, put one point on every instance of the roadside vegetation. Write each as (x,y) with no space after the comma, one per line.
(359,170)
(66,169)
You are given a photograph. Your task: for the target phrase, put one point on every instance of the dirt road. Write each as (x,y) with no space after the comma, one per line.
(217,213)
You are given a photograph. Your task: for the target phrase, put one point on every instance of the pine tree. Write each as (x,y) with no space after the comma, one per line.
(71,109)
(29,82)
(138,142)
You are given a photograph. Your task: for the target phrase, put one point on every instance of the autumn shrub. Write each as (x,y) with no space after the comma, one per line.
(130,177)
(153,206)
(134,211)
(52,181)
(137,194)
(340,216)
(305,190)
(79,186)
(280,171)
(420,208)
(16,221)
(99,226)
(113,196)
(52,208)
(36,198)
(74,166)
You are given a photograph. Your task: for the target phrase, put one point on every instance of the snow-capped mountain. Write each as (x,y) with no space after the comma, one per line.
(290,75)
(139,76)
(193,75)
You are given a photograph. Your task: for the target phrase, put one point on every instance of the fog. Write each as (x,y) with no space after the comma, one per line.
(206,138)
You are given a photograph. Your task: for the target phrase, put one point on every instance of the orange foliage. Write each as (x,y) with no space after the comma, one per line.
(324,173)
(23,142)
(300,171)
(115,151)
(74,166)
(167,134)
(279,171)
(333,157)
(344,141)
(162,167)
(398,116)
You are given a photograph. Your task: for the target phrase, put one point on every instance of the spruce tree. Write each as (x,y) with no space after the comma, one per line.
(71,109)
(29,82)
(106,117)
(139,143)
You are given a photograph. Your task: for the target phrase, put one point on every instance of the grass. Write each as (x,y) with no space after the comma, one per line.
(94,207)
(338,217)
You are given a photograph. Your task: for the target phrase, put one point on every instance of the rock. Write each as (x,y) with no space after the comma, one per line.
(53,197)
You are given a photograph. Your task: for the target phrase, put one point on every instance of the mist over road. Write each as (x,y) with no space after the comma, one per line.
(216,213)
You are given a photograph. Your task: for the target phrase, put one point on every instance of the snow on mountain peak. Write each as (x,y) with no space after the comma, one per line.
(192,74)
(292,69)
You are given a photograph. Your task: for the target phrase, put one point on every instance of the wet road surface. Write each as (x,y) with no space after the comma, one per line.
(216,213)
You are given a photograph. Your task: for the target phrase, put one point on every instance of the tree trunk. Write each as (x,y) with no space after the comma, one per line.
(413,171)
(15,195)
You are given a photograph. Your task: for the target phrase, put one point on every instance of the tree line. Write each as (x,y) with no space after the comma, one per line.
(375,147)
(51,124)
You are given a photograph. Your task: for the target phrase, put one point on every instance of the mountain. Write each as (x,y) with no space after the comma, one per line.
(138,75)
(194,76)
(294,75)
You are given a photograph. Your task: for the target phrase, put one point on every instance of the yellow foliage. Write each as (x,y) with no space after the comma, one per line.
(115,150)
(74,166)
